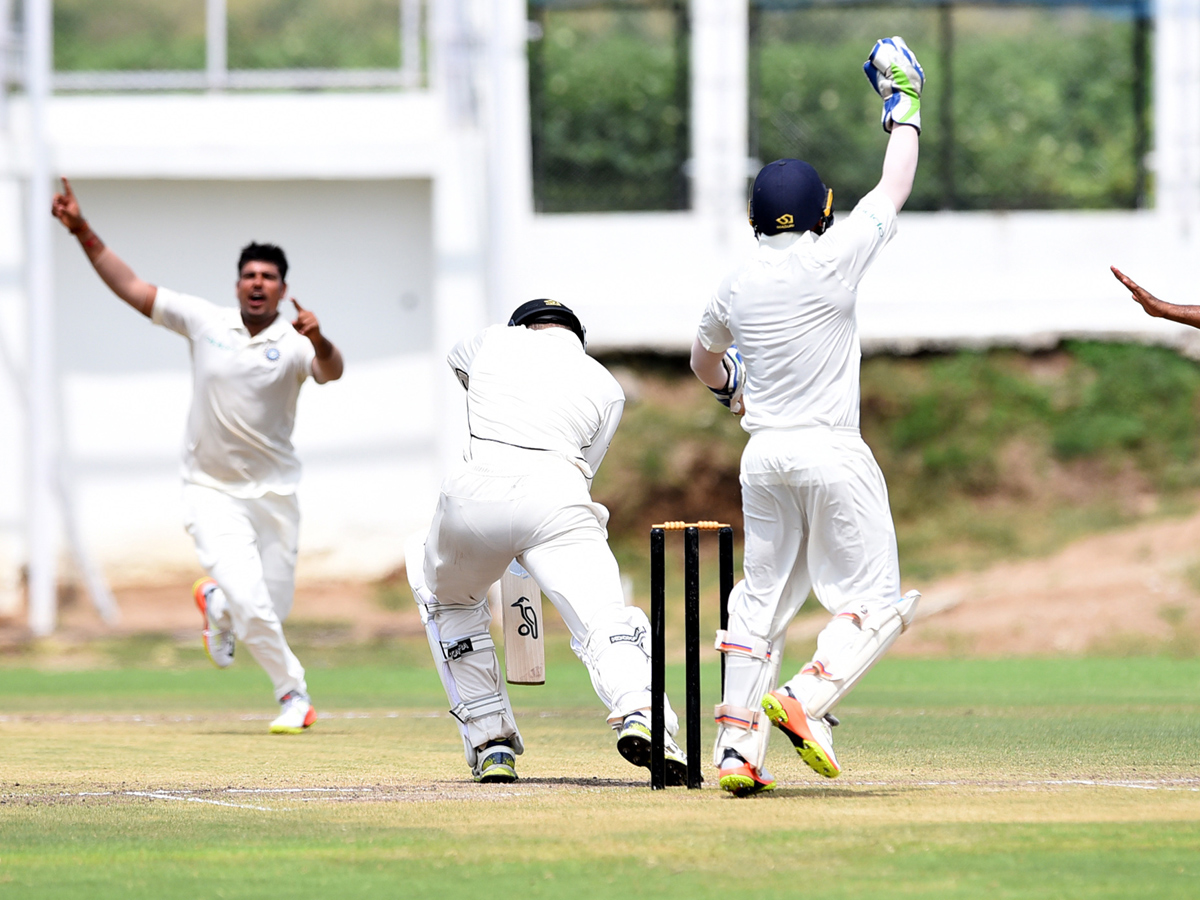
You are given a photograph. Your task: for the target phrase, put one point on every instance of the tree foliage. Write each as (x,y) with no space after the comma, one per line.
(170,34)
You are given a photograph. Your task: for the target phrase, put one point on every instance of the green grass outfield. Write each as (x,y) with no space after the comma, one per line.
(1044,778)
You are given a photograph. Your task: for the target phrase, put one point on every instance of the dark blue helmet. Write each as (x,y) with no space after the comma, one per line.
(788,195)
(536,312)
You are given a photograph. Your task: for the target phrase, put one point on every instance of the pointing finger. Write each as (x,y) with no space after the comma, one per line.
(296,304)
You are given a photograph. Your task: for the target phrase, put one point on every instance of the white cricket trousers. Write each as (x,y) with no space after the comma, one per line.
(816,517)
(534,506)
(249,546)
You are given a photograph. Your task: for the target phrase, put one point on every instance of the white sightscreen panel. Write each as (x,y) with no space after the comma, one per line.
(359,255)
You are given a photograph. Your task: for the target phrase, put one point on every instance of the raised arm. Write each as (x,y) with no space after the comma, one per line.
(898,78)
(113,271)
(900,164)
(328,365)
(1160,309)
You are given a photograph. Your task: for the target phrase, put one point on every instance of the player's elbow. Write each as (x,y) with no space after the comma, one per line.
(699,360)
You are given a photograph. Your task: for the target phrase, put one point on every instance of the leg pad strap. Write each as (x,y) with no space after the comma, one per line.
(473,643)
(738,716)
(743,645)
(469,710)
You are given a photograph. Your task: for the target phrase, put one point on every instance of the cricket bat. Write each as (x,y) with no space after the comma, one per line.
(524,652)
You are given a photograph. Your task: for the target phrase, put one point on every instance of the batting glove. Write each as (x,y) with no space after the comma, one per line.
(898,78)
(735,381)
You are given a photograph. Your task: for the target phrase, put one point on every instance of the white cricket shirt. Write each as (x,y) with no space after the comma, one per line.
(244,390)
(538,390)
(790,308)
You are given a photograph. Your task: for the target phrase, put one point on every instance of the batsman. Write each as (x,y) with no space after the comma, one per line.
(541,414)
(778,343)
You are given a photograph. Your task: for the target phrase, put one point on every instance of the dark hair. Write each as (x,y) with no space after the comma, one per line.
(255,252)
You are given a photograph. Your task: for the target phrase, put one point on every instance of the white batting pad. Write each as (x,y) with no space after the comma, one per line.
(616,652)
(751,668)
(847,648)
(465,656)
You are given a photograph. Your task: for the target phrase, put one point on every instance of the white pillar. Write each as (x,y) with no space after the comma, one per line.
(1177,113)
(720,97)
(459,209)
(6,57)
(42,396)
(216,29)
(508,153)
(410,43)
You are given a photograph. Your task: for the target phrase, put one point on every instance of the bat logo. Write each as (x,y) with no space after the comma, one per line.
(529,626)
(787,220)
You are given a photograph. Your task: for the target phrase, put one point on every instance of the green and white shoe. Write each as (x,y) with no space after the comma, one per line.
(633,743)
(496,763)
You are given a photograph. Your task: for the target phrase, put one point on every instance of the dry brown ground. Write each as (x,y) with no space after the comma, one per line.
(166,607)
(1128,590)
(1123,591)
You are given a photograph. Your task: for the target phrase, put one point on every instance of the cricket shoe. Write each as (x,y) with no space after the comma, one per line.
(298,714)
(812,738)
(634,743)
(741,779)
(496,763)
(218,643)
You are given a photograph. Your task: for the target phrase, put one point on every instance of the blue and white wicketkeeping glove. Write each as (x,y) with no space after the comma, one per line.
(898,78)
(735,381)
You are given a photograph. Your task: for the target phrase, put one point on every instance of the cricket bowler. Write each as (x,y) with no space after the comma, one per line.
(778,343)
(239,468)
(541,414)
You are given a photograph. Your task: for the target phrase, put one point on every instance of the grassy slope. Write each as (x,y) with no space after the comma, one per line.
(991,734)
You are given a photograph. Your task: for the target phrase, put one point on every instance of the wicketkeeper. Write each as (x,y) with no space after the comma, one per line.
(541,414)
(239,469)
(778,343)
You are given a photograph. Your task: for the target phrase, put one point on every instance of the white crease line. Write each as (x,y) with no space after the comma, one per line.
(93,719)
(308,790)
(399,793)
(1132,785)
(161,796)
(1169,785)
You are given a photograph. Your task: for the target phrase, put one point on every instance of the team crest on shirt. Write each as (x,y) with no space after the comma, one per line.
(272,353)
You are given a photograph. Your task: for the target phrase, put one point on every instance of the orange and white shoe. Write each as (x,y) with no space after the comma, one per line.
(741,779)
(812,738)
(298,714)
(218,643)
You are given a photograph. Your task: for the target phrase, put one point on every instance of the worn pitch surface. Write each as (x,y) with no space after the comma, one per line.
(962,778)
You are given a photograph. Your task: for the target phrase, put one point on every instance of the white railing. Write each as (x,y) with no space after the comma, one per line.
(217,76)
